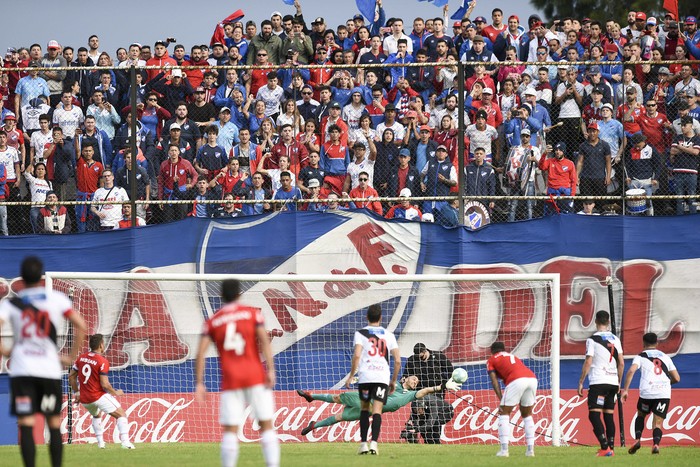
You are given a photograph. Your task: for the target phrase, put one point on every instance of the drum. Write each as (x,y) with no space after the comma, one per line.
(636,201)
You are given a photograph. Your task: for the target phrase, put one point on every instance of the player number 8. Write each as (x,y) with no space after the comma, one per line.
(234,340)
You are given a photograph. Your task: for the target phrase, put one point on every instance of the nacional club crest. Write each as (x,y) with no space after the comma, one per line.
(476,215)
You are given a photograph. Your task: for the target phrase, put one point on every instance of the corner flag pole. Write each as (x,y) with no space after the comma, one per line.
(613,328)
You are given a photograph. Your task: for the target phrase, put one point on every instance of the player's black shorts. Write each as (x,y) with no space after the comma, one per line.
(659,407)
(29,395)
(373,391)
(602,396)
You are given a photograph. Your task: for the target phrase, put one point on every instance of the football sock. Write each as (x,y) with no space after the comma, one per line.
(364,425)
(326,422)
(376,426)
(97,428)
(638,427)
(610,428)
(657,433)
(598,429)
(270,448)
(529,432)
(123,427)
(229,449)
(56,447)
(322,397)
(27,446)
(504,431)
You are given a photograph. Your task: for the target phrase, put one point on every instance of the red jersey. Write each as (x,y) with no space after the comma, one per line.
(90,366)
(653,128)
(508,367)
(87,175)
(632,126)
(233,330)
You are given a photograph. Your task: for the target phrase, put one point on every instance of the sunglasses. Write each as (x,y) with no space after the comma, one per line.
(364,179)
(262,55)
(306,93)
(651,105)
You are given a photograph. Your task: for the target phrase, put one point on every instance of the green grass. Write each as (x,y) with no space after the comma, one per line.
(344,454)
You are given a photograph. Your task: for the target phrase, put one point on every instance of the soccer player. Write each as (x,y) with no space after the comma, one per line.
(404,395)
(658,374)
(372,346)
(36,316)
(604,361)
(238,331)
(90,382)
(521,389)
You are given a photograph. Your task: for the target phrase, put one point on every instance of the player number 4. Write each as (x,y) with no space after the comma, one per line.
(234,340)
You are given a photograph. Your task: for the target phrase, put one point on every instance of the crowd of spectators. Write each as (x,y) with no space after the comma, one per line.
(356,130)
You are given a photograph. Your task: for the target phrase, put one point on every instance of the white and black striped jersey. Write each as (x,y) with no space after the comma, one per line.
(606,350)
(37,317)
(655,382)
(377,344)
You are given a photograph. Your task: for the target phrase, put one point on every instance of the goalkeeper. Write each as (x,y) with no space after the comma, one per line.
(404,395)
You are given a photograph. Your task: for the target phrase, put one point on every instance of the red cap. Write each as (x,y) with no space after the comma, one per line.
(609,47)
(670,15)
(641,15)
(592,126)
(515,17)
(536,25)
(10,117)
(458,24)
(424,128)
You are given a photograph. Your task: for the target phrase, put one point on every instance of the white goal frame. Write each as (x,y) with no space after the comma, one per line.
(551,278)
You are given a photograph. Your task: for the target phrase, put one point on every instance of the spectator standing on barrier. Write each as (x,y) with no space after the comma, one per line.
(39,185)
(561,180)
(520,173)
(404,209)
(684,158)
(60,161)
(176,177)
(438,177)
(108,214)
(480,178)
(432,368)
(569,96)
(87,176)
(122,178)
(255,191)
(594,164)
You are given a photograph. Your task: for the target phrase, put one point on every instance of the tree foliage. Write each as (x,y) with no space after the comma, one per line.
(603,10)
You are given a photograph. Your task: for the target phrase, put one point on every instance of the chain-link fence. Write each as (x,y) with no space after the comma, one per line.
(532,139)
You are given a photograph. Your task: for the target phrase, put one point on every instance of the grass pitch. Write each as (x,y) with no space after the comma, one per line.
(344,454)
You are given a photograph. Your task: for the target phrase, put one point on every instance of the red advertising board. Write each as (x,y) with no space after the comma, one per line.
(176,417)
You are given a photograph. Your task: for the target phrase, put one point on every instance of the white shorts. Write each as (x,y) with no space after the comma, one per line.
(521,391)
(234,402)
(107,404)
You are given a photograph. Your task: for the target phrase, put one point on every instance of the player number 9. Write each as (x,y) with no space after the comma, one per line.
(86,371)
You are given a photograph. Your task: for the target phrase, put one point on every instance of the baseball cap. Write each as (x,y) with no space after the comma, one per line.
(482,114)
(458,24)
(515,17)
(177,72)
(664,71)
(163,43)
(405,193)
(411,114)
(611,48)
(641,16)
(525,131)
(225,109)
(536,25)
(563,65)
(478,39)
(428,217)
(442,147)
(487,90)
(334,105)
(200,89)
(11,50)
(217,44)
(480,19)
(530,92)
(651,20)
(597,90)
(424,128)
(34,64)
(358,16)
(593,126)
(670,15)
(469,26)
(691,20)
(10,117)
(561,146)
(53,45)
(608,106)
(175,126)
(319,20)
(313,183)
(594,70)
(405,152)
(275,13)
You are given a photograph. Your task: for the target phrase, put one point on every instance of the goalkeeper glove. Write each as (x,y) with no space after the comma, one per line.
(449,385)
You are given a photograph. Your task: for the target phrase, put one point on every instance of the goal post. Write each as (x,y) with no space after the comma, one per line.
(152,323)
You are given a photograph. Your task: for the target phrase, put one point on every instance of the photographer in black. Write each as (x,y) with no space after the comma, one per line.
(432,412)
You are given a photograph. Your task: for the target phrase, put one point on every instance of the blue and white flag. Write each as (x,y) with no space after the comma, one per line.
(461,11)
(366,7)
(288,2)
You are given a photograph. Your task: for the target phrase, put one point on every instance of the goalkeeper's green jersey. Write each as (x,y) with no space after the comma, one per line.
(396,400)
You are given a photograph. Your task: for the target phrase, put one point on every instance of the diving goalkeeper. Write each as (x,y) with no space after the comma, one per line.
(404,395)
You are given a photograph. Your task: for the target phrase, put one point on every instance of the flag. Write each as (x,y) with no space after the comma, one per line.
(218,35)
(366,7)
(440,3)
(288,2)
(672,7)
(461,11)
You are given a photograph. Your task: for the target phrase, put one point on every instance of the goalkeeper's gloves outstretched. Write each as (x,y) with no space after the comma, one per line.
(450,385)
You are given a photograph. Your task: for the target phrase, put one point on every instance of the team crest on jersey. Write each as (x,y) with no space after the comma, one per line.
(96,169)
(182,171)
(217,154)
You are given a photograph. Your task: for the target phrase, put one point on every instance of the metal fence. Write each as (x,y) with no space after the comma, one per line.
(400,147)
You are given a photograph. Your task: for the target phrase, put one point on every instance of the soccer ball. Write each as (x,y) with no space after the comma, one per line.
(460,375)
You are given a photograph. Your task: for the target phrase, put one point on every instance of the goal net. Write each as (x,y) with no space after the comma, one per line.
(152,323)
